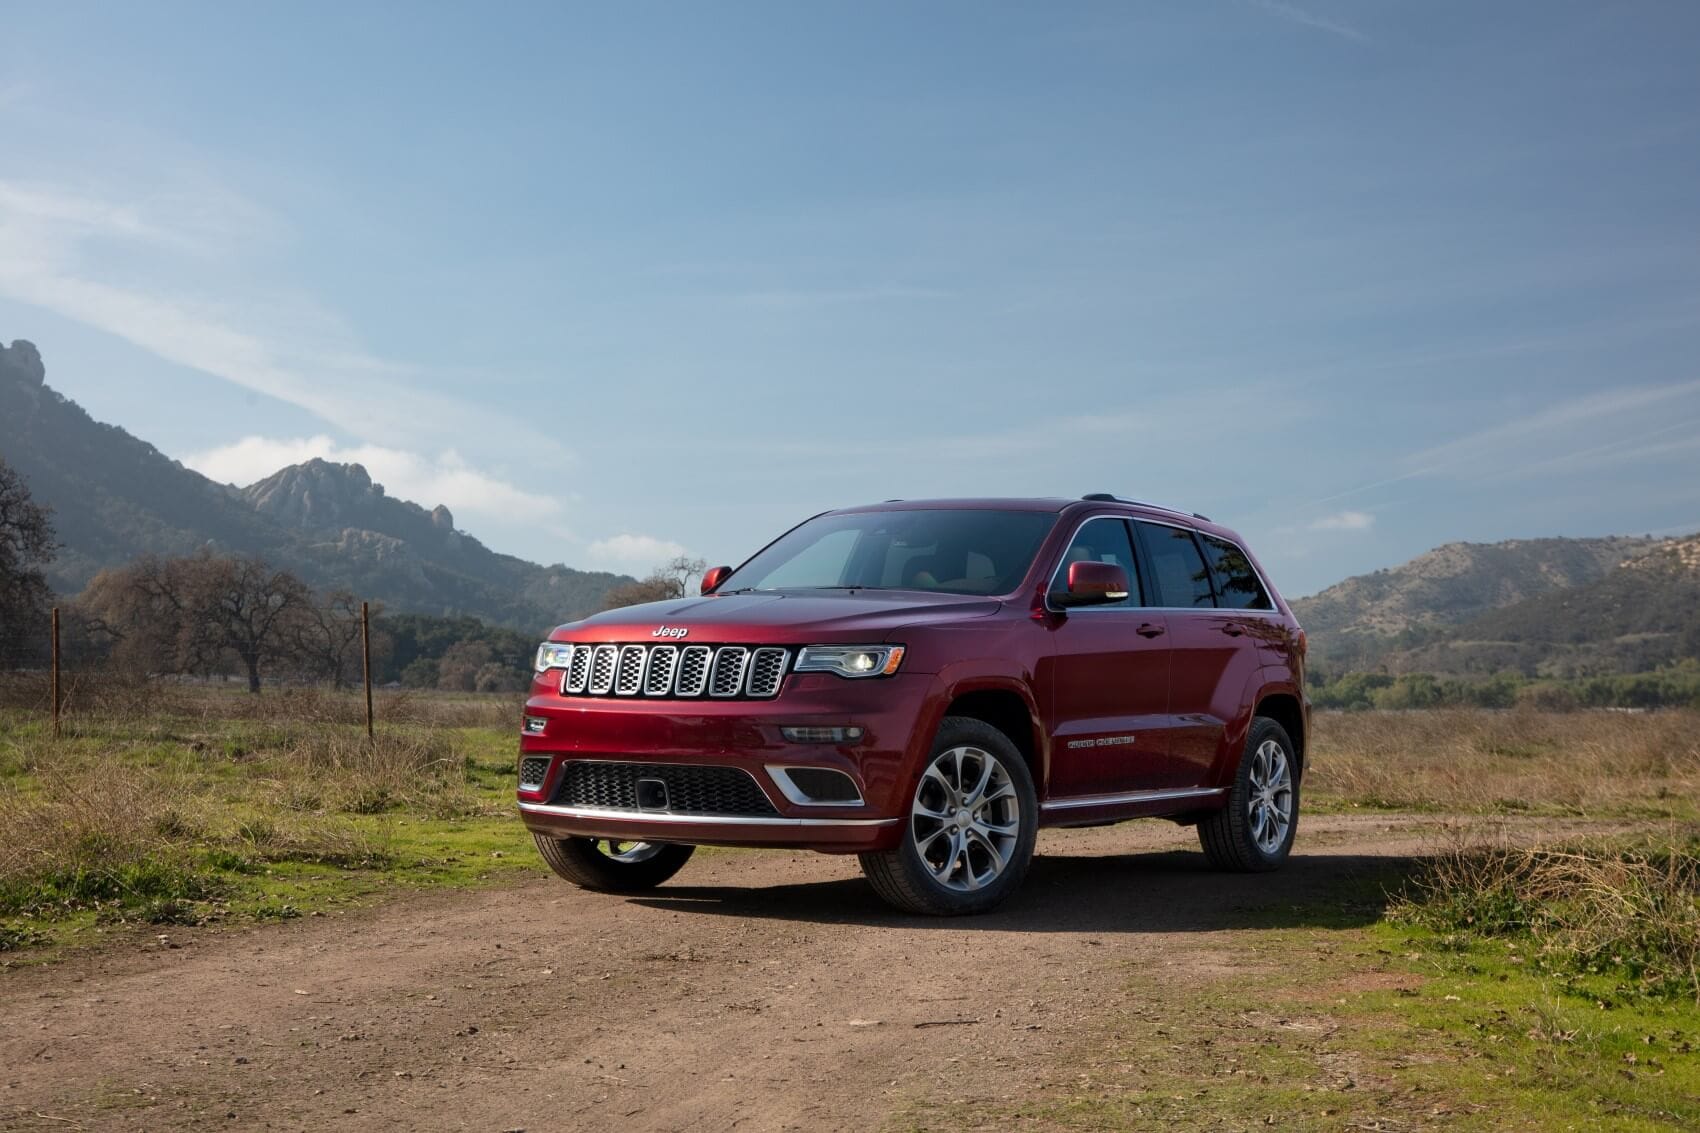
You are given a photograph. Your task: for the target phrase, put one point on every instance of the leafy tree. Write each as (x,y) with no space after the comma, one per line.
(26,545)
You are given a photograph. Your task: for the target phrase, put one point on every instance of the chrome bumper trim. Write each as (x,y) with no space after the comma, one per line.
(1075,801)
(693,819)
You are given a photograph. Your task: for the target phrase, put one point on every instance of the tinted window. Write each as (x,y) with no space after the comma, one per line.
(1101,541)
(1236,582)
(1181,574)
(957,551)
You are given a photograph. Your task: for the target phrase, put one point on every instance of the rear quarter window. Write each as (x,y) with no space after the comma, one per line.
(1237,584)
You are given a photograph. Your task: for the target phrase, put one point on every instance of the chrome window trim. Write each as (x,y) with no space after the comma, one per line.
(663,818)
(1267,589)
(1050,583)
(1257,574)
(780,774)
(1073,802)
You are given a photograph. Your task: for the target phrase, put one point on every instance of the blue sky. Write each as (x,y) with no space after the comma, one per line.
(1357,278)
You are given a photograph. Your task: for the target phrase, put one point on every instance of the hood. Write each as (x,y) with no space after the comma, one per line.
(789,618)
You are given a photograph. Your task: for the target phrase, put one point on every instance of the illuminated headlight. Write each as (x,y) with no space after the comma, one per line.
(553,655)
(851,660)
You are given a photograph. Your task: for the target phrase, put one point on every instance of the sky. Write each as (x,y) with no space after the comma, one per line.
(617,282)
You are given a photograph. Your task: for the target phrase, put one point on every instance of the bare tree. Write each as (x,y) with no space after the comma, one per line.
(326,636)
(671,580)
(187,615)
(26,545)
(249,609)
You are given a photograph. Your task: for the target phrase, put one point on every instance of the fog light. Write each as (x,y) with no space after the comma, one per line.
(811,735)
(534,725)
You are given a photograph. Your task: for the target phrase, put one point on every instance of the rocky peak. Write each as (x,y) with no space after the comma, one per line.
(317,495)
(21,362)
(442,519)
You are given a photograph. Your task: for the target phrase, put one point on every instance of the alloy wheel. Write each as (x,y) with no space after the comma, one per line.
(966,818)
(1269,803)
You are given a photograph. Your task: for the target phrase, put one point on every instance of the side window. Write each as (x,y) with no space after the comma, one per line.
(1102,541)
(1182,577)
(1236,581)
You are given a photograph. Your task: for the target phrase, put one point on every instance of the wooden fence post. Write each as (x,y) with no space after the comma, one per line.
(53,681)
(366,664)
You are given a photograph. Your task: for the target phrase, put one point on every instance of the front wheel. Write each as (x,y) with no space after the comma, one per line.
(969,835)
(611,866)
(1254,832)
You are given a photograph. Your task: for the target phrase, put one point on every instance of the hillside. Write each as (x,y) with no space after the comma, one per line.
(1359,620)
(115,496)
(1644,614)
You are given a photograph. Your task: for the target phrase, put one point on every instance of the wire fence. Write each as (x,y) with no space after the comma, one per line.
(38,676)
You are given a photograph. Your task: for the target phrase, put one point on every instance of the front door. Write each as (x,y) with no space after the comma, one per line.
(1109,681)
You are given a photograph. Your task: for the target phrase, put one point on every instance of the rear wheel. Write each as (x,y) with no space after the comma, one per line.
(1254,832)
(613,866)
(972,822)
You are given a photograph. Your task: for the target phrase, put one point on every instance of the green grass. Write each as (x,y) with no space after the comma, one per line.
(195,819)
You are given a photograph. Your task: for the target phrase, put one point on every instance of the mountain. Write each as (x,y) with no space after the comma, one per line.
(1639,616)
(115,497)
(1542,607)
(1369,615)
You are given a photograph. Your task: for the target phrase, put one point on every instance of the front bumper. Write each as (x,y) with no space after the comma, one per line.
(743,734)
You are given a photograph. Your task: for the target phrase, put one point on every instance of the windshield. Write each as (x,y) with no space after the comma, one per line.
(953,552)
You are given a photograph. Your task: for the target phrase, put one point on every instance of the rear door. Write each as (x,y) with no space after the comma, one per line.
(1109,679)
(1212,658)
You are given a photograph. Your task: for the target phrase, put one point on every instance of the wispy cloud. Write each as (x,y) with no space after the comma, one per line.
(1562,436)
(1344,521)
(280,345)
(634,552)
(1295,14)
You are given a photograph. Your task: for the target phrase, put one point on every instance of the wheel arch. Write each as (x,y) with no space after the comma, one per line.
(1008,706)
(1285,707)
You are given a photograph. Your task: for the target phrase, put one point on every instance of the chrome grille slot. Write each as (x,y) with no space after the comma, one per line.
(728,677)
(767,669)
(602,664)
(663,663)
(685,672)
(693,670)
(578,671)
(628,673)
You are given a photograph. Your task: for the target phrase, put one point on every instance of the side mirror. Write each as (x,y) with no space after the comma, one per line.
(713,577)
(1093,584)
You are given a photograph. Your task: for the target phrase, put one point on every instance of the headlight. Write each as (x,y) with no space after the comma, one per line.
(850,660)
(553,655)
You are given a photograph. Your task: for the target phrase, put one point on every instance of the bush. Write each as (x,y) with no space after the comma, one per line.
(1587,910)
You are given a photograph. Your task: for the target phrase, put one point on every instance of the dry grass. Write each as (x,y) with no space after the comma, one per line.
(1524,761)
(1600,909)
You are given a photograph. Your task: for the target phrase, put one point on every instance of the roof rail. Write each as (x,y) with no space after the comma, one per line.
(1110,498)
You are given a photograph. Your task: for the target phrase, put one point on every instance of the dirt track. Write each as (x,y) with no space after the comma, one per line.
(760,991)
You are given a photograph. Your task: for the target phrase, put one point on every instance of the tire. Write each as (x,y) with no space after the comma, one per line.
(943,867)
(1238,837)
(598,863)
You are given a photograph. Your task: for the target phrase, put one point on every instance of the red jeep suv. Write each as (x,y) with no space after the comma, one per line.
(925,684)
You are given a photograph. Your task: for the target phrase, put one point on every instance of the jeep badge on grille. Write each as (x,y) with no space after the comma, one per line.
(670,631)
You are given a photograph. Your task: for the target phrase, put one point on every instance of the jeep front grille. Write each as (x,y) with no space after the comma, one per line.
(676,671)
(691,789)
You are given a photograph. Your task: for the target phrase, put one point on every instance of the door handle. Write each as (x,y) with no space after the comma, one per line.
(1233,629)
(1148,629)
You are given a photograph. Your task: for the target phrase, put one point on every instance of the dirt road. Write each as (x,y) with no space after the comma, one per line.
(758,991)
